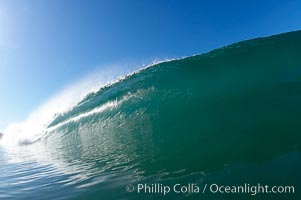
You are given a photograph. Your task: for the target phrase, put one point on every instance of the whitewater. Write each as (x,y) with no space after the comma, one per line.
(35,126)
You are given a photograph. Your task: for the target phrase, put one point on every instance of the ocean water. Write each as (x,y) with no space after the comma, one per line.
(227,117)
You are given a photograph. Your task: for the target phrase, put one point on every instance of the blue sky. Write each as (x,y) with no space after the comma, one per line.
(45,45)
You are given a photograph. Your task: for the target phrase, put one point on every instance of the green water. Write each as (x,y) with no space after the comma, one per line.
(227,117)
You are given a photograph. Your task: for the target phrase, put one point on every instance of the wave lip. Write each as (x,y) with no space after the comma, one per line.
(236,69)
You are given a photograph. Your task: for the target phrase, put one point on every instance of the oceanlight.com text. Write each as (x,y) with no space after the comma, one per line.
(191,188)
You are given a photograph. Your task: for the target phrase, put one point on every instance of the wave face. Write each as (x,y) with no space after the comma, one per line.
(230,116)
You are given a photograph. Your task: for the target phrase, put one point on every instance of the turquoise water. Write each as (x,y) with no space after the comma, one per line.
(227,117)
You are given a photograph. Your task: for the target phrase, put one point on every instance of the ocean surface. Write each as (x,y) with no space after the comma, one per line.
(228,117)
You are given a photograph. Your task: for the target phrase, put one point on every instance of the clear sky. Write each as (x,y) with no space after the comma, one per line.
(45,45)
